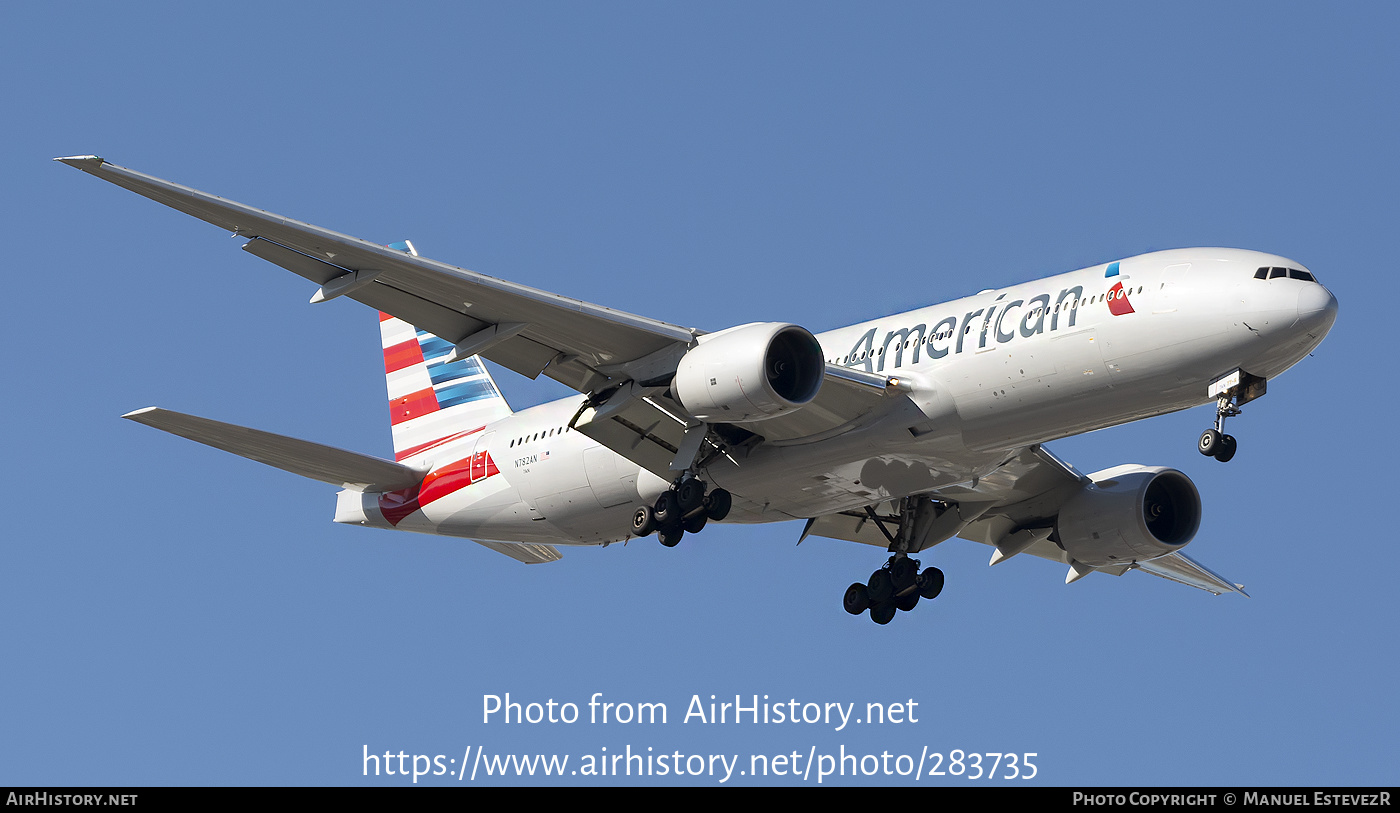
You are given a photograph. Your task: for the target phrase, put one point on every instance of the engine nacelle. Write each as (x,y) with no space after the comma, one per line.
(1129,514)
(750,373)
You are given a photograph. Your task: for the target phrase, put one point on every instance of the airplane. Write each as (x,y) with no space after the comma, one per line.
(901,432)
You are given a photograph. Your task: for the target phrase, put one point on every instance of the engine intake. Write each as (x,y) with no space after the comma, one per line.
(750,373)
(1129,514)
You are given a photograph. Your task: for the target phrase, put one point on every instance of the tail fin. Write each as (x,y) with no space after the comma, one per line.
(433,403)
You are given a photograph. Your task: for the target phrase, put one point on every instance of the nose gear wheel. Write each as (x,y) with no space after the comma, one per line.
(1231,392)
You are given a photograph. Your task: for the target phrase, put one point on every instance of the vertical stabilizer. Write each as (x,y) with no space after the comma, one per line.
(433,403)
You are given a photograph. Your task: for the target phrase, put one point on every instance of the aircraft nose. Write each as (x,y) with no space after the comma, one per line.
(1317,307)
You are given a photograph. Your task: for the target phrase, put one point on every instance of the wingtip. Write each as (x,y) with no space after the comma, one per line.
(83,162)
(135,414)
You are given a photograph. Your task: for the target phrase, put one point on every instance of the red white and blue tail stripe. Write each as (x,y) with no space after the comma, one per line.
(433,403)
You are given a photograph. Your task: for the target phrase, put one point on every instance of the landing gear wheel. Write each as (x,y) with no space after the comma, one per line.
(931,583)
(695,524)
(903,572)
(666,509)
(856,600)
(717,504)
(1227,449)
(908,602)
(1210,443)
(883,612)
(643,522)
(880,587)
(670,536)
(689,495)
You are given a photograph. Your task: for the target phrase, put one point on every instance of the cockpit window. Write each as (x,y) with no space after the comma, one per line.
(1274,272)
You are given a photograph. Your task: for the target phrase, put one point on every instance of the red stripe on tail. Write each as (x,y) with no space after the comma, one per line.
(402,355)
(413,405)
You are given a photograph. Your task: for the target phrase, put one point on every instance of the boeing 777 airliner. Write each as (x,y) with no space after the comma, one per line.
(900,433)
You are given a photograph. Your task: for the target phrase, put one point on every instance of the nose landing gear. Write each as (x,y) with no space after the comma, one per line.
(1217,444)
(1230,392)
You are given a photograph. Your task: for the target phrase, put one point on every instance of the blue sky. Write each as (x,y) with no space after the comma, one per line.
(174,615)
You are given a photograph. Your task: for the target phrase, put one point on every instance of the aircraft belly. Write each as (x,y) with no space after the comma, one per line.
(776,484)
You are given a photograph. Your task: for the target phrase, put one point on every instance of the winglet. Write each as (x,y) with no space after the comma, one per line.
(83,162)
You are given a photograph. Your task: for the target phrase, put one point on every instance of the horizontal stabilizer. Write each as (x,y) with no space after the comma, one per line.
(328,464)
(528,552)
(1178,567)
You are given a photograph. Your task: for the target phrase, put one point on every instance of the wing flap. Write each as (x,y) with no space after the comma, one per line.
(316,270)
(632,425)
(850,526)
(352,470)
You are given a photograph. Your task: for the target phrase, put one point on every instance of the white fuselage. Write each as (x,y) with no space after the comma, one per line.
(990,373)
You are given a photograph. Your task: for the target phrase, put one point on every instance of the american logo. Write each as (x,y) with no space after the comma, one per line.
(1118,304)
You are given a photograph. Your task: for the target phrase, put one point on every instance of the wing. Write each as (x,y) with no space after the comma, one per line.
(590,348)
(1013,510)
(521,328)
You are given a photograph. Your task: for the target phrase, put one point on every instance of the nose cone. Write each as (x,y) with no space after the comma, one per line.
(1317,309)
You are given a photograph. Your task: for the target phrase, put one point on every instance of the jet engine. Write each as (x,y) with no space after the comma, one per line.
(750,373)
(1129,514)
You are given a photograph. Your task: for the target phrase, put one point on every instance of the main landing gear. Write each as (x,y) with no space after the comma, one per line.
(922,523)
(897,586)
(685,508)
